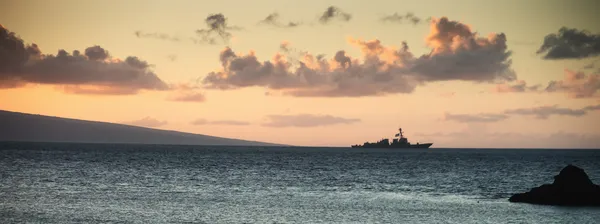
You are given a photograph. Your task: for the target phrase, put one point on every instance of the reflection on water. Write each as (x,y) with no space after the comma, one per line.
(66,183)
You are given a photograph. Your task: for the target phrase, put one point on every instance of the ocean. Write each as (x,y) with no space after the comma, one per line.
(121,183)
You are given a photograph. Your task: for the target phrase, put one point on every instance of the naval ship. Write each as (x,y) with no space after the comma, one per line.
(399,142)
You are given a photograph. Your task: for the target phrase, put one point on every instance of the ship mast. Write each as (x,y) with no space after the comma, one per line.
(400,134)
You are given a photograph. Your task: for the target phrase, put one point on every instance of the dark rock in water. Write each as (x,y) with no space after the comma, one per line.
(571,187)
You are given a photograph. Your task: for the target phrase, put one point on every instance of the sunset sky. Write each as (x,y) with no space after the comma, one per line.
(317,73)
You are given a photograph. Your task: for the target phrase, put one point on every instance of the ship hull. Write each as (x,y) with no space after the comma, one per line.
(418,146)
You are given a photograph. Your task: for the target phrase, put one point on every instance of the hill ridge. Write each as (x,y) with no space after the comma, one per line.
(19,126)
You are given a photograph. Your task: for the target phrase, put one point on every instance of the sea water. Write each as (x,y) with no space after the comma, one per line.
(100,183)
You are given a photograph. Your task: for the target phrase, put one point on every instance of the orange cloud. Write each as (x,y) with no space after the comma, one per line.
(576,84)
(457,54)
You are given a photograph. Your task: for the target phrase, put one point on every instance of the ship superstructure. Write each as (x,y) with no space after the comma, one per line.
(399,141)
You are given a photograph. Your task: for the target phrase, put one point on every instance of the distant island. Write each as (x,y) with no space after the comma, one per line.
(15,126)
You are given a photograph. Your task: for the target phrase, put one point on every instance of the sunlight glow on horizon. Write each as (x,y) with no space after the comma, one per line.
(244,111)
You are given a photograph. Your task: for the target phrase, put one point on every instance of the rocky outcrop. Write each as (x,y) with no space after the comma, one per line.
(571,187)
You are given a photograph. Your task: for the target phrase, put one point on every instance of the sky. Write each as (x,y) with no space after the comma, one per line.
(483,74)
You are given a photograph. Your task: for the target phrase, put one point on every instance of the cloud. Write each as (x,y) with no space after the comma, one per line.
(409,16)
(216,24)
(273,20)
(576,84)
(147,122)
(9,83)
(205,39)
(156,35)
(541,112)
(185,92)
(467,118)
(460,54)
(92,72)
(306,120)
(457,54)
(96,90)
(520,86)
(592,108)
(219,122)
(333,12)
(189,97)
(570,44)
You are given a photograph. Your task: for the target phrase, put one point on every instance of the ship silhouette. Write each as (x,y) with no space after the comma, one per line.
(399,142)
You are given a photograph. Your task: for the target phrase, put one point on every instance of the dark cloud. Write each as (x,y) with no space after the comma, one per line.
(457,54)
(570,44)
(96,53)
(14,53)
(219,122)
(333,12)
(8,83)
(156,35)
(273,20)
(306,120)
(216,24)
(541,112)
(408,17)
(93,72)
(248,71)
(468,118)
(147,122)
